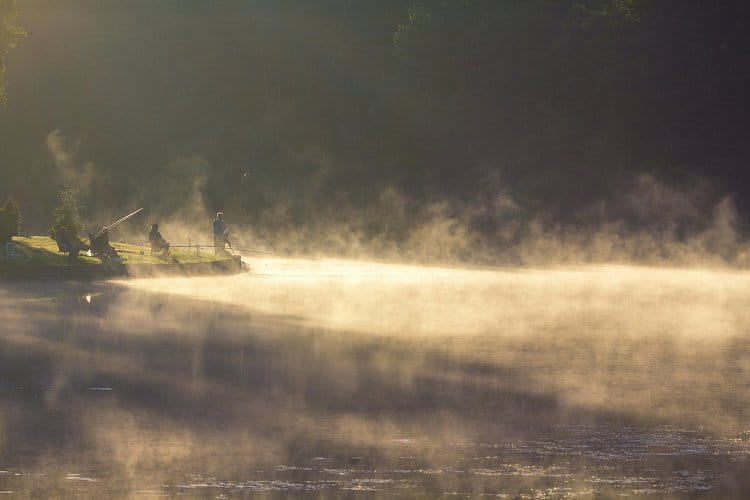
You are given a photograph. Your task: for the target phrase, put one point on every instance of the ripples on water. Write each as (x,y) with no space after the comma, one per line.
(320,378)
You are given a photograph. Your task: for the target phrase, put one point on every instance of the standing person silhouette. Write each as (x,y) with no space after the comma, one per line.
(221,232)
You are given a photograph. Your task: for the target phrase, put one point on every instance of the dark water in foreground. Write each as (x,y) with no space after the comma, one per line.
(351,379)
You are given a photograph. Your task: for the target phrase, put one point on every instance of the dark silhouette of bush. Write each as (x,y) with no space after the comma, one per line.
(10,220)
(66,214)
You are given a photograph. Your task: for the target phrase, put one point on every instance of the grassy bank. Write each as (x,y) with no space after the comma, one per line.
(39,256)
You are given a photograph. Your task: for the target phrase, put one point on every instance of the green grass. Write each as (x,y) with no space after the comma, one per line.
(40,254)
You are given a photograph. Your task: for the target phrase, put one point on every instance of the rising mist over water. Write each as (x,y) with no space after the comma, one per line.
(492,248)
(333,377)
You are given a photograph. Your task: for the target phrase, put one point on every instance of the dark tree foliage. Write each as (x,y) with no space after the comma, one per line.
(66,214)
(567,98)
(330,103)
(9,33)
(10,220)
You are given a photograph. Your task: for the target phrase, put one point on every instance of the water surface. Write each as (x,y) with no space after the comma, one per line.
(342,378)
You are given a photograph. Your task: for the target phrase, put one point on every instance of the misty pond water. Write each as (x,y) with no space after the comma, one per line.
(339,378)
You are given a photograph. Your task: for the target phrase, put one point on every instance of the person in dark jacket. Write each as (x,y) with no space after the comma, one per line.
(221,233)
(157,241)
(68,243)
(101,247)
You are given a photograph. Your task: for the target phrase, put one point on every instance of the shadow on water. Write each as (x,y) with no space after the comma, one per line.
(109,390)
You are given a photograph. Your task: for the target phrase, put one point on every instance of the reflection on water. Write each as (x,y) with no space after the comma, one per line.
(320,378)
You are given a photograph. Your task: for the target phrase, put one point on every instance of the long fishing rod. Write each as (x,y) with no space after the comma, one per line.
(114,224)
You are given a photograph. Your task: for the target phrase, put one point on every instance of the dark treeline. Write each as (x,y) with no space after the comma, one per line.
(329,104)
